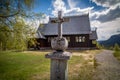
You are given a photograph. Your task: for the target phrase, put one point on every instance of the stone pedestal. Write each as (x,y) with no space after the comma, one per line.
(59,67)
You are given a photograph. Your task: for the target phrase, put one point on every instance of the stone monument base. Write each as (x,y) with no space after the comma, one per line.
(59,67)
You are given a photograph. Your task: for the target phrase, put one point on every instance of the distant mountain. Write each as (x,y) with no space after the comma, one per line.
(115,39)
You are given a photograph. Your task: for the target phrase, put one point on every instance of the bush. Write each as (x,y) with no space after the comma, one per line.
(100,46)
(116,47)
(117,51)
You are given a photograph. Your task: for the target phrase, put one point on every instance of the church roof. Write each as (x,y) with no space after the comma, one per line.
(79,24)
(39,35)
(75,25)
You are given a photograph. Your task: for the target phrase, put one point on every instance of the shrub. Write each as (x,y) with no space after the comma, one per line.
(116,47)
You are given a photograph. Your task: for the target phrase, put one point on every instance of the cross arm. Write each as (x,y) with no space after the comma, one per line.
(59,20)
(66,19)
(53,21)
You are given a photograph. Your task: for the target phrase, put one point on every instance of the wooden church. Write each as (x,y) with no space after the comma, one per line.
(77,30)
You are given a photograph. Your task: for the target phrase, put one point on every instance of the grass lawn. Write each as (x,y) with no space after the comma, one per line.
(117,54)
(32,65)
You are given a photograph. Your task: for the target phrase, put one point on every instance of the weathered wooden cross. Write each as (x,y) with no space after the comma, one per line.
(59,20)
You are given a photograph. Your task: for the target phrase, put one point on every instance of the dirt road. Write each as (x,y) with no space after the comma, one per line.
(108,66)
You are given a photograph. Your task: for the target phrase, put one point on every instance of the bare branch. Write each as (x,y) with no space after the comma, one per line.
(9,20)
(11,15)
(5,16)
(4,22)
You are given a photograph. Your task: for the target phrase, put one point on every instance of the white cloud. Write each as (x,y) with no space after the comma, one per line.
(107,3)
(44,19)
(111,12)
(74,10)
(35,22)
(60,5)
(103,12)
(107,14)
(95,23)
(72,3)
(107,21)
(97,14)
(113,24)
(106,29)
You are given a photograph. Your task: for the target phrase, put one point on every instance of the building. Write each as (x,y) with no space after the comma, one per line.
(77,31)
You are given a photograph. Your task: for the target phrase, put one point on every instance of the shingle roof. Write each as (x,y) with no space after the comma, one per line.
(39,35)
(76,25)
(79,24)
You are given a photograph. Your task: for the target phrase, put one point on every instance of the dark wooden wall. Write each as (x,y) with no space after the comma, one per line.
(73,42)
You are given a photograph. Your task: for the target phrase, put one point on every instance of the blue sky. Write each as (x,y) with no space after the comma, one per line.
(46,6)
(104,14)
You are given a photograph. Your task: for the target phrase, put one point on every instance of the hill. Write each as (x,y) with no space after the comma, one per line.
(115,39)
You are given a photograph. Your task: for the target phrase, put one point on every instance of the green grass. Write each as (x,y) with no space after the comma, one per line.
(80,69)
(22,66)
(34,66)
(117,54)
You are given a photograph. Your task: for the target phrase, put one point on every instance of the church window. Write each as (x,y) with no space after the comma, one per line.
(83,39)
(80,38)
(76,39)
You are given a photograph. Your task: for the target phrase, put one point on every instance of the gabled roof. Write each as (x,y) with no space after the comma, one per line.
(39,35)
(77,25)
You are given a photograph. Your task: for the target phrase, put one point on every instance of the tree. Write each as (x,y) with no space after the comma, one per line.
(11,8)
(14,32)
(17,37)
(116,47)
(4,36)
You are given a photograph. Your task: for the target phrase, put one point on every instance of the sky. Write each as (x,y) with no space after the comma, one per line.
(104,14)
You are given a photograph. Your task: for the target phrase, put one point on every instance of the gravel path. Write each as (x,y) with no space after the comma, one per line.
(108,66)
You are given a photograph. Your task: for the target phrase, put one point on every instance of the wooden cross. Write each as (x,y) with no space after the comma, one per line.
(59,20)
